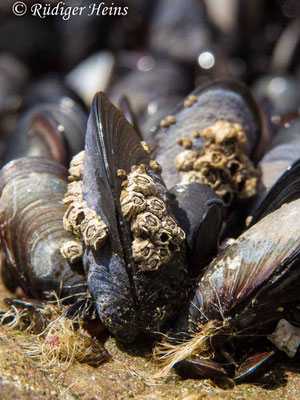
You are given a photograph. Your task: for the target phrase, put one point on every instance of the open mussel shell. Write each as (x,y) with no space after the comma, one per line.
(255,281)
(129,300)
(199,212)
(32,233)
(222,100)
(50,130)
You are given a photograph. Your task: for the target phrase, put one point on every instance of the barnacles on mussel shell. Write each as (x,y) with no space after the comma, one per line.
(222,163)
(152,245)
(79,219)
(137,277)
(213,140)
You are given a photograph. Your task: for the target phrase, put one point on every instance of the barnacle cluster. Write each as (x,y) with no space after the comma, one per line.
(156,236)
(169,120)
(222,163)
(79,219)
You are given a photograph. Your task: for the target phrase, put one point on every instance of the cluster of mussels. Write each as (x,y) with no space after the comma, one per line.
(142,231)
(156,236)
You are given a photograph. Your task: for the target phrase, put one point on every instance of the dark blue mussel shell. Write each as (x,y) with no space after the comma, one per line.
(130,302)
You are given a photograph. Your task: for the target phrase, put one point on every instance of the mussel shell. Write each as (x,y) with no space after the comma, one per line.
(281,90)
(284,190)
(289,134)
(279,177)
(179,30)
(255,281)
(13,77)
(129,114)
(32,233)
(199,211)
(51,130)
(156,111)
(142,85)
(48,89)
(220,100)
(129,301)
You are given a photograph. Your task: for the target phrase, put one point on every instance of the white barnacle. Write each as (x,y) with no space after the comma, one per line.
(164,254)
(162,237)
(72,250)
(146,147)
(73,218)
(142,250)
(94,232)
(141,182)
(74,192)
(169,224)
(286,337)
(84,223)
(179,236)
(185,160)
(76,167)
(146,224)
(155,235)
(156,206)
(132,203)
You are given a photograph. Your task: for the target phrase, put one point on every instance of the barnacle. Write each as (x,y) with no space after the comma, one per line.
(94,231)
(142,249)
(76,167)
(221,163)
(139,181)
(156,236)
(169,120)
(186,143)
(72,250)
(145,223)
(185,160)
(156,206)
(132,203)
(155,166)
(79,219)
(74,192)
(145,147)
(73,218)
(190,100)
